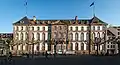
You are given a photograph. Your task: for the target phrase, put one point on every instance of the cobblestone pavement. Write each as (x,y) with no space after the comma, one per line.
(63,60)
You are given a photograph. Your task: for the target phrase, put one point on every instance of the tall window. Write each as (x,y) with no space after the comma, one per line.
(76,36)
(87,27)
(93,27)
(38,28)
(76,28)
(60,28)
(71,36)
(17,28)
(43,36)
(26,36)
(38,36)
(55,35)
(98,28)
(87,37)
(55,27)
(98,35)
(21,36)
(76,46)
(22,28)
(70,28)
(61,35)
(33,28)
(82,28)
(82,46)
(82,36)
(32,36)
(17,36)
(43,28)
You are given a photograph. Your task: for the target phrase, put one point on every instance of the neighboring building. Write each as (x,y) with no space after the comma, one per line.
(112,33)
(65,35)
(3,44)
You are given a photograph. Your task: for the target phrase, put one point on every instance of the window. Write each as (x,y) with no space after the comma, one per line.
(87,37)
(33,28)
(93,27)
(71,36)
(55,35)
(43,28)
(103,28)
(76,36)
(109,38)
(60,28)
(82,36)
(55,27)
(70,28)
(76,28)
(38,36)
(87,27)
(98,28)
(38,28)
(76,46)
(82,46)
(98,35)
(108,46)
(82,28)
(32,36)
(21,36)
(43,36)
(113,46)
(22,28)
(17,28)
(26,36)
(17,36)
(118,33)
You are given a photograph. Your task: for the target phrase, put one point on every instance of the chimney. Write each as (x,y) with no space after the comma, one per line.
(34,18)
(76,18)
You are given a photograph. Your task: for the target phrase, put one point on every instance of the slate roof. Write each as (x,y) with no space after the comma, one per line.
(26,21)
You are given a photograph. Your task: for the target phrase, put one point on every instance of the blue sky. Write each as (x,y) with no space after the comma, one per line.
(13,10)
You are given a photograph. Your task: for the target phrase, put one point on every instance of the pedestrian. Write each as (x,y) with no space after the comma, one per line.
(46,55)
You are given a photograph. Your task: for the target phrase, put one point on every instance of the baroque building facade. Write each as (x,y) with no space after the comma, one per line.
(36,36)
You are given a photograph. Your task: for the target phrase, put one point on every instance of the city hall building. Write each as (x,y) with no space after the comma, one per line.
(35,36)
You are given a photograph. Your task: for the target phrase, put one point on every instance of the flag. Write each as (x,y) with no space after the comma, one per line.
(92,4)
(25,3)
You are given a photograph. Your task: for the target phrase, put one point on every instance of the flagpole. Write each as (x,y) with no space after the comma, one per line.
(94,9)
(25,7)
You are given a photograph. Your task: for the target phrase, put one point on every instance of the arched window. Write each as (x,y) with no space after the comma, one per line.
(38,36)
(82,36)
(93,36)
(43,36)
(21,36)
(98,35)
(76,28)
(103,35)
(87,46)
(82,46)
(32,36)
(76,36)
(71,47)
(70,28)
(55,35)
(87,37)
(76,46)
(26,36)
(17,36)
(82,28)
(71,36)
